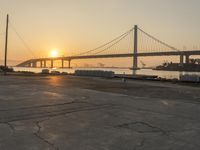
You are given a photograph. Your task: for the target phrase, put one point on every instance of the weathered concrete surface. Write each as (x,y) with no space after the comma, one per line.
(73,113)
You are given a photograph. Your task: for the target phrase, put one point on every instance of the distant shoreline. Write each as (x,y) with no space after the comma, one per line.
(117,77)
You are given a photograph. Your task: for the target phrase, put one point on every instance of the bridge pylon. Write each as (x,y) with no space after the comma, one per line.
(135,50)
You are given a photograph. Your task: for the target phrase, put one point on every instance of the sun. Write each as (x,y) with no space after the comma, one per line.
(54,53)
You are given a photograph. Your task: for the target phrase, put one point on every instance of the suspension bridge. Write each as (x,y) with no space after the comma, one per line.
(134,43)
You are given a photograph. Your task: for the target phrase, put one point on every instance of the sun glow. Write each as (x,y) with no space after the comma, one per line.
(54,53)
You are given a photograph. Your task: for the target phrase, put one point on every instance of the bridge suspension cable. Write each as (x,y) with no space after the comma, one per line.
(146,43)
(111,45)
(107,45)
(157,40)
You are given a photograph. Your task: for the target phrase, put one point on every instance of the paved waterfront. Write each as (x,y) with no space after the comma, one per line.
(72,113)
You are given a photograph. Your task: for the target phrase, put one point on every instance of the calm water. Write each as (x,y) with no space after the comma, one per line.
(162,74)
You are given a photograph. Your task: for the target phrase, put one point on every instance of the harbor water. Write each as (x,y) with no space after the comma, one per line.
(161,74)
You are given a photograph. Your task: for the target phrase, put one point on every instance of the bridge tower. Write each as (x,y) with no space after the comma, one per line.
(135,58)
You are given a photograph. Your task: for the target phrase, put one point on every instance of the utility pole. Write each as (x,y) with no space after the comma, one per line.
(6,43)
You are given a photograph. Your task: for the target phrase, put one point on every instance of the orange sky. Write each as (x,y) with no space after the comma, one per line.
(73,26)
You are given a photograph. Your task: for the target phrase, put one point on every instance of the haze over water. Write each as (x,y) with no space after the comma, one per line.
(161,74)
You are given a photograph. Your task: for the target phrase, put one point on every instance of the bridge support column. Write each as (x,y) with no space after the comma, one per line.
(69,63)
(41,64)
(135,58)
(45,64)
(34,64)
(52,63)
(62,63)
(181,59)
(187,59)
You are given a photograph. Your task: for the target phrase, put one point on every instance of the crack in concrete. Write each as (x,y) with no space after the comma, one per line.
(141,124)
(44,106)
(58,112)
(138,109)
(11,127)
(37,134)
(182,130)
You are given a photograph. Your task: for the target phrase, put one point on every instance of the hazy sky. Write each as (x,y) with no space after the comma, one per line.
(75,25)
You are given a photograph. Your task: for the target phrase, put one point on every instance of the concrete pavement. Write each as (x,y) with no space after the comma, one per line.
(74,113)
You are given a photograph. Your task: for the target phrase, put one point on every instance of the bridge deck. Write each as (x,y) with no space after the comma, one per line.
(170,53)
